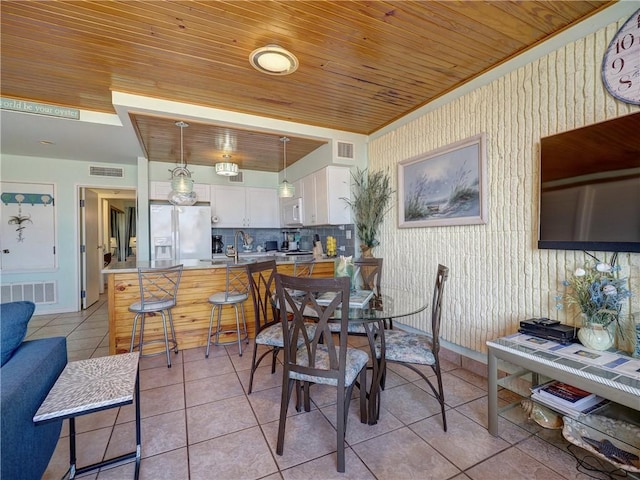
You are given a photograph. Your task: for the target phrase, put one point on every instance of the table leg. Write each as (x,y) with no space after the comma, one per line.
(493,393)
(72,448)
(138,428)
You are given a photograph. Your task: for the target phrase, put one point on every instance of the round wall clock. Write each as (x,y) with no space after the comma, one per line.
(621,62)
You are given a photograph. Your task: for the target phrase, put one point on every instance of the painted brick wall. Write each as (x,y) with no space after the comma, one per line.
(497,275)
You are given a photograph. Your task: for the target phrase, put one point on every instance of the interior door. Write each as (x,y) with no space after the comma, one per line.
(90,248)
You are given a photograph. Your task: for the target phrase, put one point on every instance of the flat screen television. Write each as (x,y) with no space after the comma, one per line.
(590,187)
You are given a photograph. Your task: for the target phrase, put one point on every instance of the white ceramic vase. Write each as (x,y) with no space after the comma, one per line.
(596,336)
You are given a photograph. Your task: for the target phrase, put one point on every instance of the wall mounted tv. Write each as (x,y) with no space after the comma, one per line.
(590,187)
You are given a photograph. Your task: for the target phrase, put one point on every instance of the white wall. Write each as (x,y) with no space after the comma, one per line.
(66,175)
(497,275)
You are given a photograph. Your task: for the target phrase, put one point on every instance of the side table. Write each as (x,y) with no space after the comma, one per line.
(92,385)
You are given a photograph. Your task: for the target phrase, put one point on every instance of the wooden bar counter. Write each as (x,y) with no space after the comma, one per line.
(200,279)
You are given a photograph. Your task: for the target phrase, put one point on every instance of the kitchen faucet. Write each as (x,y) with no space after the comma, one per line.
(235,246)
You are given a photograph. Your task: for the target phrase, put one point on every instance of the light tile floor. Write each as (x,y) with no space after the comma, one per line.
(198,423)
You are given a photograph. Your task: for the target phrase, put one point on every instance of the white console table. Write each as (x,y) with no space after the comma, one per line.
(611,375)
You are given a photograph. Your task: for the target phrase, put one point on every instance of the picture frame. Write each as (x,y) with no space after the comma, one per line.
(444,187)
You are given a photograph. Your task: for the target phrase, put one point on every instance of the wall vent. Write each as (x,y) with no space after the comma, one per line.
(37,292)
(96,171)
(239,178)
(345,151)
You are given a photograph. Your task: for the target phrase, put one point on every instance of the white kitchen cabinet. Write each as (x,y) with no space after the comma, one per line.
(323,194)
(161,190)
(238,207)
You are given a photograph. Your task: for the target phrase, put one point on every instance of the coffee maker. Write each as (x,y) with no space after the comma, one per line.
(216,244)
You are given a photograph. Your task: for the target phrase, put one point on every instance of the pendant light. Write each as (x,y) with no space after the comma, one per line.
(285,189)
(182,193)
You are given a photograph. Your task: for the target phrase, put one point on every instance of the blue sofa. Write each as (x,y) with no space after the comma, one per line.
(29,370)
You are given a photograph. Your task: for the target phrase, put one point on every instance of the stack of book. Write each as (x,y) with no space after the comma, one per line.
(357,299)
(566,398)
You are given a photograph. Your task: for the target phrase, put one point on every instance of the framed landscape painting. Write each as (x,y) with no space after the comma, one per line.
(447,186)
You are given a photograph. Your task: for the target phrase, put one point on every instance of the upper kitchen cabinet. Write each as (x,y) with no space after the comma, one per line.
(323,196)
(238,207)
(161,190)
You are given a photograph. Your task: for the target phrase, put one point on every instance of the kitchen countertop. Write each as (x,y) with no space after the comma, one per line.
(217,261)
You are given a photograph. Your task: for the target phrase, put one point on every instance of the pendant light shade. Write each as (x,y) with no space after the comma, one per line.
(227,169)
(182,193)
(285,189)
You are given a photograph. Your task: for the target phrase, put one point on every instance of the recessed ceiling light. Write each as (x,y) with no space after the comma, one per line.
(273,60)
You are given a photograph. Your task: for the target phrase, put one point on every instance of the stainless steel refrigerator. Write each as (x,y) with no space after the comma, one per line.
(180,233)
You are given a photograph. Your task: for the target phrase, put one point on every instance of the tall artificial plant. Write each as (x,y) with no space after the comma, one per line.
(370,202)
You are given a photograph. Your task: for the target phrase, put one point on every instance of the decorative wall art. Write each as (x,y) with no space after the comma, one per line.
(27,231)
(447,186)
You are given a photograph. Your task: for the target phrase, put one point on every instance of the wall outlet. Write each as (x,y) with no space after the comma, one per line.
(348,233)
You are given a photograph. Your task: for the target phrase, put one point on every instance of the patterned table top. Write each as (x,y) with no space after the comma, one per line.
(89,385)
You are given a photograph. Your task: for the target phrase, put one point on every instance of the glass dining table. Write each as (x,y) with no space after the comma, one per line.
(392,303)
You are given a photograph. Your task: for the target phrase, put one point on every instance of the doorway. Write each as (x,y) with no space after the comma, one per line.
(108,233)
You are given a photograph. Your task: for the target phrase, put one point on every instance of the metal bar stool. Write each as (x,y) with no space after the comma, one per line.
(236,293)
(158,292)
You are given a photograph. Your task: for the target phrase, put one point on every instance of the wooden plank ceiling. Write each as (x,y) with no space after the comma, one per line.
(363,64)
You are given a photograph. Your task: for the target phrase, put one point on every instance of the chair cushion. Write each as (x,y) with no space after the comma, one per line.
(272,335)
(14,318)
(407,347)
(356,361)
(152,306)
(224,298)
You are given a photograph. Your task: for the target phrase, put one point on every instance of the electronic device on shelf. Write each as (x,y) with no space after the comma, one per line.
(549,329)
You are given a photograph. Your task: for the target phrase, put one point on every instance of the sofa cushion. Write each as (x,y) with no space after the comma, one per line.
(14,318)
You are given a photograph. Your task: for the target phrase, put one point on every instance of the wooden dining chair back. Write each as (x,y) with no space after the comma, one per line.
(413,350)
(319,357)
(268,331)
(368,272)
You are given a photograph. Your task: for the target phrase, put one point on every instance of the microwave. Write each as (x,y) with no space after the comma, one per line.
(291,211)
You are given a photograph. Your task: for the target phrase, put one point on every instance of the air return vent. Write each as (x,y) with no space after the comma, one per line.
(239,178)
(96,171)
(344,151)
(36,292)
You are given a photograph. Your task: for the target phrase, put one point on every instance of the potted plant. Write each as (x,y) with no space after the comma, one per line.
(599,293)
(370,202)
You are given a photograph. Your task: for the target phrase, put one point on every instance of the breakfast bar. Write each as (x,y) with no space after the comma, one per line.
(200,279)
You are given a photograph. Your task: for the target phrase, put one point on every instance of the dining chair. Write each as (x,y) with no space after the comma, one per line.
(369,270)
(235,294)
(412,349)
(318,359)
(268,331)
(158,293)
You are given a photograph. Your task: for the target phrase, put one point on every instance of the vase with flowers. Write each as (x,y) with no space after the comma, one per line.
(599,293)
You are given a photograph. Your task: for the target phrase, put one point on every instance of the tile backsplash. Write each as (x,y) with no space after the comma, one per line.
(262,235)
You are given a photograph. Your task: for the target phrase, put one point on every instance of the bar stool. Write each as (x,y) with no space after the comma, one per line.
(236,293)
(158,292)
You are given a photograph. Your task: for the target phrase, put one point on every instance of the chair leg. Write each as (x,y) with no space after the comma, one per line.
(141,333)
(253,367)
(213,309)
(133,332)
(340,420)
(436,369)
(166,338)
(173,332)
(235,306)
(287,388)
(363,396)
(245,330)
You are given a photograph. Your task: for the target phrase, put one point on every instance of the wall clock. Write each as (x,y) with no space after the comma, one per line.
(621,62)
